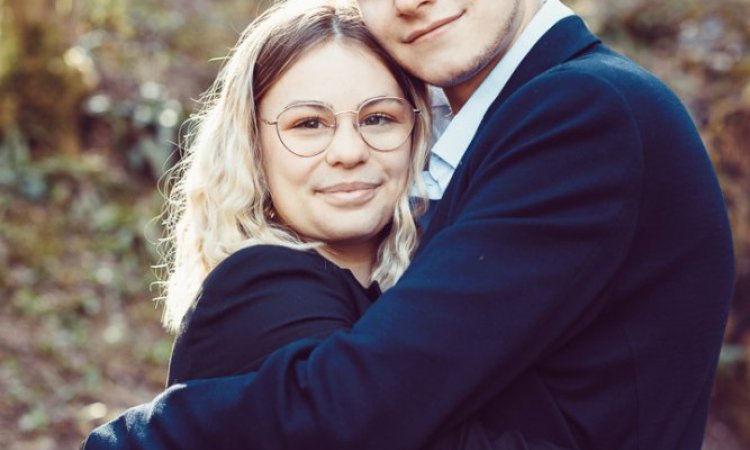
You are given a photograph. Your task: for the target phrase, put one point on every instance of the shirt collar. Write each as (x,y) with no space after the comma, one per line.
(454,141)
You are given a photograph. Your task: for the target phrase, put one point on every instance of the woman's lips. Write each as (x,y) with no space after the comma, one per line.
(348,194)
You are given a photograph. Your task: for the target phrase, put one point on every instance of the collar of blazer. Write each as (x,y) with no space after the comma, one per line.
(565,40)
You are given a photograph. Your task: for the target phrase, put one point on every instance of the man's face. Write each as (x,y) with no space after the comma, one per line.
(448,43)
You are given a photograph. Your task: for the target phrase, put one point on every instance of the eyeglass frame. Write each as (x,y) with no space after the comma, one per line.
(415,111)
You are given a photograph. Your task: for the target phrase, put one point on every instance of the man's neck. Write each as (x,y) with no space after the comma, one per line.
(459,94)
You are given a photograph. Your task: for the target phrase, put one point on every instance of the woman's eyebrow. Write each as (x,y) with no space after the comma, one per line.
(308,102)
(321,103)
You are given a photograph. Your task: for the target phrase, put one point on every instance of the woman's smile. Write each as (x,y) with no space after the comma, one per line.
(348,194)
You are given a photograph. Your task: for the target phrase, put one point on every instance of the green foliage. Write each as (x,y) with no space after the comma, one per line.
(74,292)
(91,98)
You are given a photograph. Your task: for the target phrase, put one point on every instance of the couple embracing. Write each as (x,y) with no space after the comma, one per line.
(567,288)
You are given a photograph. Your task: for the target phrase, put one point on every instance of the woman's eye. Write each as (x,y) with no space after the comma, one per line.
(308,123)
(376,119)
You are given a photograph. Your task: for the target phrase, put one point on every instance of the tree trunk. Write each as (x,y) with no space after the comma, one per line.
(41,93)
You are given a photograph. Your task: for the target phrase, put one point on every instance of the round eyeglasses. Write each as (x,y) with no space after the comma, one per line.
(307,129)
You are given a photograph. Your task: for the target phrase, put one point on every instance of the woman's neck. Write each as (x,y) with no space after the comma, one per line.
(358,257)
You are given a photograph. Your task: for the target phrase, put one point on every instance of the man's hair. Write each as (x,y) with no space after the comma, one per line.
(218,200)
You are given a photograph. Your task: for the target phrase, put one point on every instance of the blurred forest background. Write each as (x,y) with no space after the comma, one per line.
(92,96)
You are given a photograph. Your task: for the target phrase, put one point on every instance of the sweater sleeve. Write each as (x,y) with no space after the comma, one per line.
(256,301)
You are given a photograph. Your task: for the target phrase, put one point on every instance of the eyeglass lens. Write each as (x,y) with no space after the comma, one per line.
(308,129)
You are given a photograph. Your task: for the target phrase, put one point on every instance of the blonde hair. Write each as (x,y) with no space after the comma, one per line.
(219,201)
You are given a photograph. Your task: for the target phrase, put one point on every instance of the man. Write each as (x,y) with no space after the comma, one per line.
(572,285)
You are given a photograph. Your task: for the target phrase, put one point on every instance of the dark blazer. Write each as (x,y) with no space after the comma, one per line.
(573,285)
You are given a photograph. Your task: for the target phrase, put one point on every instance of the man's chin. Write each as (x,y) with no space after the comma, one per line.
(453,78)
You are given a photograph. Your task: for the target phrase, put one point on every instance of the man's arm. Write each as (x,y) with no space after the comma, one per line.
(262,297)
(538,225)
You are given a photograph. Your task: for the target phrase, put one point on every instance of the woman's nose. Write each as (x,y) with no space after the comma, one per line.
(347,148)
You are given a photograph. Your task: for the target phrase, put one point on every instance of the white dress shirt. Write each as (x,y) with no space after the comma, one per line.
(456,136)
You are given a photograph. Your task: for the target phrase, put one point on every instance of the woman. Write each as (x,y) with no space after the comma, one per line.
(291,209)
(292,202)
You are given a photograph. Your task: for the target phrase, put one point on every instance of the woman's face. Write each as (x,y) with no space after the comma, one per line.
(346,194)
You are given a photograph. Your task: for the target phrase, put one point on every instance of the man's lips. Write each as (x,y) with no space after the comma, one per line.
(434,26)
